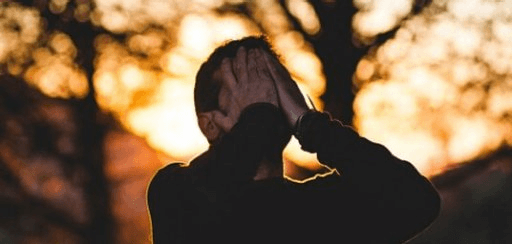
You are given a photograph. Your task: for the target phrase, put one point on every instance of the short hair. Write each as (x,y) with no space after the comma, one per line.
(206,90)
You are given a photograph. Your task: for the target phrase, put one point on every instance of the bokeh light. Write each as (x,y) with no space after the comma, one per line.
(45,64)
(438,93)
(54,71)
(20,30)
(376,17)
(306,15)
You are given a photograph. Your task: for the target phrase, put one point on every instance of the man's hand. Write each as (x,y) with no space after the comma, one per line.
(289,96)
(246,80)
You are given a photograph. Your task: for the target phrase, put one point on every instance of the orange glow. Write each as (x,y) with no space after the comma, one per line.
(82,12)
(170,125)
(307,69)
(303,64)
(306,15)
(444,93)
(364,70)
(131,77)
(195,35)
(152,96)
(472,136)
(295,154)
(177,63)
(49,65)
(20,30)
(58,6)
(54,72)
(375,17)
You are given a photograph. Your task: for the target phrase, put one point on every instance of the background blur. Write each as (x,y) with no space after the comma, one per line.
(96,95)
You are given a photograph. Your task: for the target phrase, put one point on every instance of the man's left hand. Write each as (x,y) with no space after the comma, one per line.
(289,96)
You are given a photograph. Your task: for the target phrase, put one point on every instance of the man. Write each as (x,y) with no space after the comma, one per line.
(248,107)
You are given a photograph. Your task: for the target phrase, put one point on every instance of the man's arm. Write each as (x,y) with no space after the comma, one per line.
(398,202)
(393,200)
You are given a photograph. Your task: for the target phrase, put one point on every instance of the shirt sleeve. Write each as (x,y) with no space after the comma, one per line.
(392,199)
(165,205)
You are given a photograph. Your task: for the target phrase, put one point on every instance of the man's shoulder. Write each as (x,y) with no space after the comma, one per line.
(167,176)
(173,169)
(177,173)
(170,170)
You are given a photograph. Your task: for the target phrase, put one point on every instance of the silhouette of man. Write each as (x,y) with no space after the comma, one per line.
(248,107)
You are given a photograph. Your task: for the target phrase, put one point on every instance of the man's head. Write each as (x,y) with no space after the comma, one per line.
(206,91)
(233,77)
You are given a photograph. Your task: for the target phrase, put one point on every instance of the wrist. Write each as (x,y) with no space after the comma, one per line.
(309,127)
(294,115)
(298,129)
(297,123)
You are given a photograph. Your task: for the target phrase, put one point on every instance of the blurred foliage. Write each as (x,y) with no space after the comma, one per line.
(40,166)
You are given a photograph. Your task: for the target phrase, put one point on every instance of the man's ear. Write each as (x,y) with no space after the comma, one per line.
(209,128)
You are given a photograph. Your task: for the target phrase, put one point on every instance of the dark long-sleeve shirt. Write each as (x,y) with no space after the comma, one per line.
(377,198)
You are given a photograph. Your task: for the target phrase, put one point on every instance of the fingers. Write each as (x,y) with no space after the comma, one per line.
(239,64)
(261,65)
(229,103)
(264,78)
(277,67)
(271,66)
(279,73)
(289,95)
(227,73)
(252,66)
(223,121)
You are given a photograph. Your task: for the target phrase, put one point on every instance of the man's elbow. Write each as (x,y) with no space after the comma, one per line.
(432,207)
(425,210)
(419,215)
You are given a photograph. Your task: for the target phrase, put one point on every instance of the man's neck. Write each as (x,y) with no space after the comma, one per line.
(268,169)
